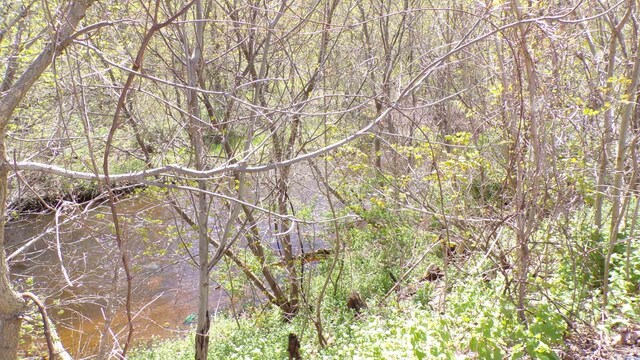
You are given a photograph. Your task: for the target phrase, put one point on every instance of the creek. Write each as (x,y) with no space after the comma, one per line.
(72,270)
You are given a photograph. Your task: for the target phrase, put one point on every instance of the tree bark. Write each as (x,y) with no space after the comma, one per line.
(194,63)
(11,305)
(530,177)
(608,120)
(616,213)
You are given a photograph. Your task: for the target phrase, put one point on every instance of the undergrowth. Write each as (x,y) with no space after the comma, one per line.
(468,314)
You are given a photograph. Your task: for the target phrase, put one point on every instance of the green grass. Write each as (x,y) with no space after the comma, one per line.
(479,320)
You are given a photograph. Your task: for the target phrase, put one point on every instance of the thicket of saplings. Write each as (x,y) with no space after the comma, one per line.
(473,220)
(406,284)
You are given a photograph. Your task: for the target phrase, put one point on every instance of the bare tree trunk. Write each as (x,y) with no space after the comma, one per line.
(287,303)
(528,193)
(616,193)
(56,350)
(12,61)
(195,63)
(11,306)
(608,120)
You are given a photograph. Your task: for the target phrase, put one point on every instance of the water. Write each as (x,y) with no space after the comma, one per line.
(75,288)
(165,279)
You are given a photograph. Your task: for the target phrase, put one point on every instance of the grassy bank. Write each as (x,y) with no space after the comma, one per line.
(467,314)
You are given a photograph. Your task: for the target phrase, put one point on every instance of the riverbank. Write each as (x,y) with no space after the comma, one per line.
(459,306)
(51,193)
(477,324)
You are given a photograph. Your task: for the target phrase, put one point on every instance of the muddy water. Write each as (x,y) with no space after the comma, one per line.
(73,270)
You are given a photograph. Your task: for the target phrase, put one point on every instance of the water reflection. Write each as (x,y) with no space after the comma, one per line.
(165,282)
